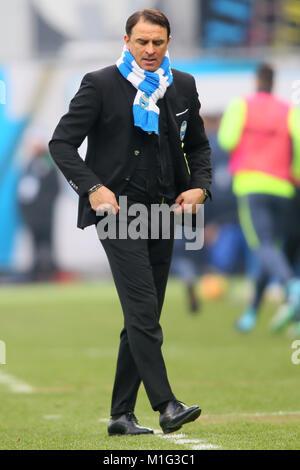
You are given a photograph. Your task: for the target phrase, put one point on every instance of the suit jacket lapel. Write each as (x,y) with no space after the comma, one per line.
(170,97)
(128,90)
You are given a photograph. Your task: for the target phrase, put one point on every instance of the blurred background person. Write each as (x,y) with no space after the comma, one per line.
(261,132)
(225,250)
(185,266)
(291,247)
(224,240)
(37,194)
(292,240)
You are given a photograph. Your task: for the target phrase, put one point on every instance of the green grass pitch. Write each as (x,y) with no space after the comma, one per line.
(62,340)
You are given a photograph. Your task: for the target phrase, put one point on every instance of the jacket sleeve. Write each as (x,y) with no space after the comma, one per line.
(197,147)
(69,134)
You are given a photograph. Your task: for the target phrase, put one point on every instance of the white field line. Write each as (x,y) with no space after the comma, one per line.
(179,439)
(201,444)
(14,384)
(183,440)
(187,441)
(205,446)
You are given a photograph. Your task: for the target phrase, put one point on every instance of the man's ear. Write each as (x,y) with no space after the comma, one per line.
(126,39)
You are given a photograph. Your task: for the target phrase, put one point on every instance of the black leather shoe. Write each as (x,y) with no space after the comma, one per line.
(176,414)
(126,424)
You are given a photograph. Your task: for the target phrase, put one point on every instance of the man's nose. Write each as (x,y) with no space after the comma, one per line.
(150,48)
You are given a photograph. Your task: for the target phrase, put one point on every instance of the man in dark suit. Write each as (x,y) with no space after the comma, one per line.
(163,157)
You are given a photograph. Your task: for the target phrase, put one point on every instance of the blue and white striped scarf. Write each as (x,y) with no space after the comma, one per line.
(151,87)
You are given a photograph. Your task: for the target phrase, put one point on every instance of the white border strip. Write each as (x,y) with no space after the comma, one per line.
(253,415)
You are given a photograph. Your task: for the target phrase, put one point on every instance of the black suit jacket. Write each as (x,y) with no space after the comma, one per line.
(102,111)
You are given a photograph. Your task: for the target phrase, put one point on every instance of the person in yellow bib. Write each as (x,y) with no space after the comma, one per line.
(262,134)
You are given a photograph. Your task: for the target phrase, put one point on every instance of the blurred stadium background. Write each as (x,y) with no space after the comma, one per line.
(60,362)
(46,48)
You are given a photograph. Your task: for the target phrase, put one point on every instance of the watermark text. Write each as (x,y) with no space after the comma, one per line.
(295,358)
(154,221)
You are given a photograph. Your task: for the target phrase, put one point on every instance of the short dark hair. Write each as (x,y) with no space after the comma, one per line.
(151,16)
(265,75)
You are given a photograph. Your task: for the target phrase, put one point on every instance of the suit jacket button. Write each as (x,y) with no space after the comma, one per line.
(136,153)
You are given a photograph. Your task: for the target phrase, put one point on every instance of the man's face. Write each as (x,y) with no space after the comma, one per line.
(148,43)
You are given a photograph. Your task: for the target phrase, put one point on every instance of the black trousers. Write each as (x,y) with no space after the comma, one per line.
(140,270)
